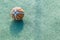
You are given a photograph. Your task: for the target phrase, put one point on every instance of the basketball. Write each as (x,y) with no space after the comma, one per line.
(17,13)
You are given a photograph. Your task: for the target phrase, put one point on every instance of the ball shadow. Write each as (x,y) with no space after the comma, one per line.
(16,27)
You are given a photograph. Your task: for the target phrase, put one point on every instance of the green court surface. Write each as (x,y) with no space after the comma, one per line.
(41,20)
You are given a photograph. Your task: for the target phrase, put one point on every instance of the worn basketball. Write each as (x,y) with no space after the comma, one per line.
(17,13)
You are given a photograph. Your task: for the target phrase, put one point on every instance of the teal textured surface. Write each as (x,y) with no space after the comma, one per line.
(41,20)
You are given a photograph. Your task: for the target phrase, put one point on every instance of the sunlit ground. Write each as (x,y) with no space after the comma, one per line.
(41,20)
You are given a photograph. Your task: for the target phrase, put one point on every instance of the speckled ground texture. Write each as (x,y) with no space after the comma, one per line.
(41,20)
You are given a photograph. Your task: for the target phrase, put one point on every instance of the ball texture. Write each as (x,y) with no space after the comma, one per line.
(17,13)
